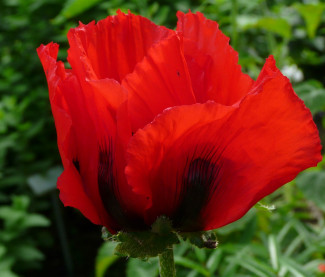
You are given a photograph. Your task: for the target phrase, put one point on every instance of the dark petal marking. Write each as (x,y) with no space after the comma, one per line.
(76,165)
(198,181)
(110,195)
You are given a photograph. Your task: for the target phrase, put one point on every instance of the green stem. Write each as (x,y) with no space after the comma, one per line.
(166,264)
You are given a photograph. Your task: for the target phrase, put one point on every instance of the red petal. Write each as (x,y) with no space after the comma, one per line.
(157,154)
(107,105)
(56,75)
(212,63)
(74,131)
(112,47)
(249,150)
(160,81)
(273,138)
(73,195)
(86,114)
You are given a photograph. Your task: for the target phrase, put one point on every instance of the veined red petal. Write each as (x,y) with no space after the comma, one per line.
(160,81)
(76,140)
(112,47)
(206,165)
(106,103)
(159,153)
(73,194)
(273,138)
(212,62)
(91,144)
(108,108)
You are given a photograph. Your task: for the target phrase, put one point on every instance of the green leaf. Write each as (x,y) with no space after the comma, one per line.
(192,265)
(200,254)
(42,184)
(20,202)
(274,252)
(296,269)
(8,273)
(26,252)
(315,100)
(35,220)
(3,250)
(214,260)
(105,258)
(294,245)
(233,261)
(73,8)
(259,269)
(5,267)
(278,26)
(312,14)
(302,230)
(284,231)
(139,268)
(312,93)
(180,249)
(312,184)
(9,214)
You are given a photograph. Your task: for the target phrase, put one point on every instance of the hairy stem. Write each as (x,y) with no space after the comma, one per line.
(166,264)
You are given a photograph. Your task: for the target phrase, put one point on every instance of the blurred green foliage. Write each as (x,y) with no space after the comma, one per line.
(17,243)
(287,242)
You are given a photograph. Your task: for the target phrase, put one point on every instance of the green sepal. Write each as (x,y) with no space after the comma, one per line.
(162,226)
(161,237)
(206,239)
(144,245)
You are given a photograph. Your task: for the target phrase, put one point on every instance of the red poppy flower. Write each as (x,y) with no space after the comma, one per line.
(152,122)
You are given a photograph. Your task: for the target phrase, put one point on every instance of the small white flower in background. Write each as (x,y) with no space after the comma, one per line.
(293,73)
